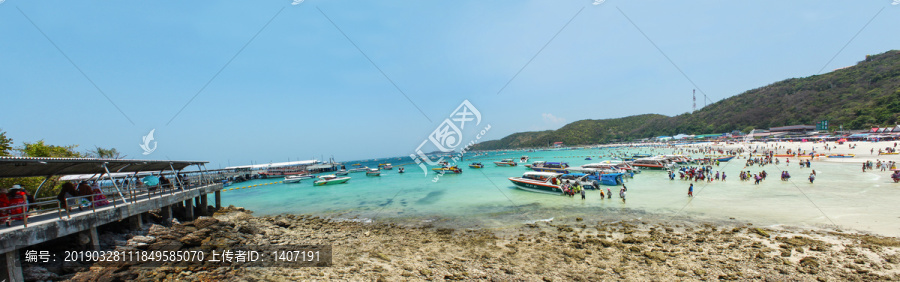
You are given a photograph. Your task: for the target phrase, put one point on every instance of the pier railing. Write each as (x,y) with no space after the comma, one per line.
(129,194)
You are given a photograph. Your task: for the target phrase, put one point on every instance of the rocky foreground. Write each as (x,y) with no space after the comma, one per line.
(575,250)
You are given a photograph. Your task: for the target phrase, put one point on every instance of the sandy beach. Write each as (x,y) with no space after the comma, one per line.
(567,249)
(862,150)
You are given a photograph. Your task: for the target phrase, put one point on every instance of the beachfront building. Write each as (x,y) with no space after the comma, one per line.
(794,129)
(682,136)
(557,144)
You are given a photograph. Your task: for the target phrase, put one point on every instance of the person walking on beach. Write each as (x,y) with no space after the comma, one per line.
(691,190)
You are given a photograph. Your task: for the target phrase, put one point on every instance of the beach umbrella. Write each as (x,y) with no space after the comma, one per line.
(842,140)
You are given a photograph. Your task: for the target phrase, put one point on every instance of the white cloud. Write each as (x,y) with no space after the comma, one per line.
(297,2)
(551,119)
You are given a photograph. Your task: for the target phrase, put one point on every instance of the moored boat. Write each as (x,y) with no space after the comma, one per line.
(359,169)
(506,162)
(841,155)
(341,172)
(558,167)
(476,165)
(541,182)
(385,166)
(451,169)
(373,172)
(330,179)
(296,178)
(653,163)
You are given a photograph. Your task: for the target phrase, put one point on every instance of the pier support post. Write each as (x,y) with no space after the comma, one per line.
(90,238)
(189,209)
(95,238)
(218,199)
(166,212)
(203,205)
(14,271)
(136,222)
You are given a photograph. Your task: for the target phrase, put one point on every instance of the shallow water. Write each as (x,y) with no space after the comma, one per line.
(842,196)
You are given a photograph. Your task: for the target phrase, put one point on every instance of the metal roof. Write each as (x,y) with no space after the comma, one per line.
(28,166)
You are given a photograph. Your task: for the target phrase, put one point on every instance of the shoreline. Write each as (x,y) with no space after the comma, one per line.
(561,249)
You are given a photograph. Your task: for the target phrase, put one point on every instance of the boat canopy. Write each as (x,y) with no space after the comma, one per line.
(31,167)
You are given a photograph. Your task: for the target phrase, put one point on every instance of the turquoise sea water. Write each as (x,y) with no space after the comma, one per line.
(842,195)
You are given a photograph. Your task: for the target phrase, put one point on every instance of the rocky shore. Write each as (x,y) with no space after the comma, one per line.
(573,249)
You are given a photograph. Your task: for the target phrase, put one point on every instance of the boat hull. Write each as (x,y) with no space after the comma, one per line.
(331,182)
(649,166)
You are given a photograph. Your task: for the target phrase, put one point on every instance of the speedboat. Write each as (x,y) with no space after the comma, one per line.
(373,172)
(541,182)
(452,169)
(653,163)
(720,158)
(841,156)
(296,178)
(331,179)
(506,162)
(537,163)
(400,170)
(341,172)
(359,169)
(385,166)
(559,167)
(476,165)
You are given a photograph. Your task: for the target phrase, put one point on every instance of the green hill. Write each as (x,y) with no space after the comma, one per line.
(857,97)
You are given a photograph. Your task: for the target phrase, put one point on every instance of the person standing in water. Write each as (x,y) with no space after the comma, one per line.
(691,190)
(582,194)
(622,194)
(608,193)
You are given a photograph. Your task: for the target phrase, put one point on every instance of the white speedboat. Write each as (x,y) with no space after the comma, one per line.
(542,182)
(359,169)
(373,172)
(296,178)
(341,172)
(331,179)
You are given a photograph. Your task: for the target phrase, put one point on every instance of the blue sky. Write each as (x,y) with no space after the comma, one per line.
(300,89)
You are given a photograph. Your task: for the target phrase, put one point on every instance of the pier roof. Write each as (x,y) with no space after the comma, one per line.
(28,166)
